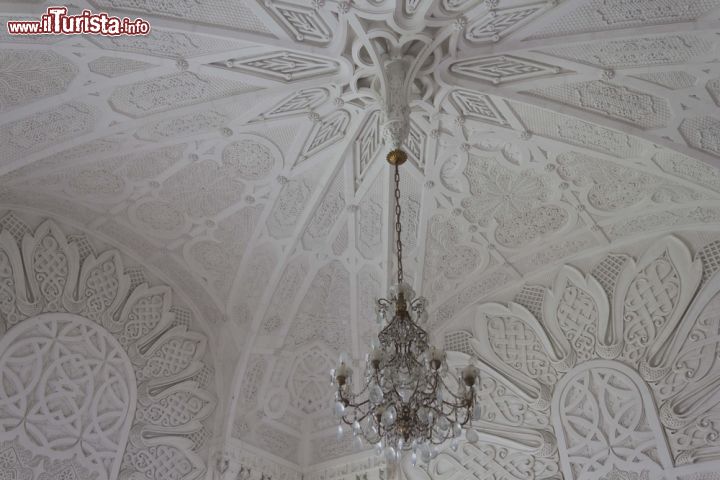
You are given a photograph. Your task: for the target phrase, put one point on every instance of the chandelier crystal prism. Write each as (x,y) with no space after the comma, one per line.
(408,399)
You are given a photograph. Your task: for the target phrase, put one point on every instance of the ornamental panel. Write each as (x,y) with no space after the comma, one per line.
(88,351)
(67,391)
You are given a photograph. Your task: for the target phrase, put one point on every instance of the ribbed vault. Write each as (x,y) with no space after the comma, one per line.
(238,151)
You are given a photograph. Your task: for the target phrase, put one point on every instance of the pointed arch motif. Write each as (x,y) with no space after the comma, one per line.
(100,373)
(67,390)
(631,386)
(605,418)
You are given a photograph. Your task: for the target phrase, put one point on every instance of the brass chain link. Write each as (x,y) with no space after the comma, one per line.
(398,227)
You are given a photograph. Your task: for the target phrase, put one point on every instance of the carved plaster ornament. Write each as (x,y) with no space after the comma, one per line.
(549,140)
(395,108)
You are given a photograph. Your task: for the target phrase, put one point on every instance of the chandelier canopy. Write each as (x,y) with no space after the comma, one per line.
(408,400)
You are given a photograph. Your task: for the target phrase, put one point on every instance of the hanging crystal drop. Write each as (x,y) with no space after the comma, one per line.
(430,417)
(388,417)
(390,454)
(454,444)
(443,424)
(375,394)
(472,436)
(339,409)
(424,452)
(340,432)
(477,412)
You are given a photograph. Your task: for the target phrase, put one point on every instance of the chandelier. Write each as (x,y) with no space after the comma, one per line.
(407,400)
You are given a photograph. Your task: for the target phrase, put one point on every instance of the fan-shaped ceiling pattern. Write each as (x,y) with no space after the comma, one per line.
(238,149)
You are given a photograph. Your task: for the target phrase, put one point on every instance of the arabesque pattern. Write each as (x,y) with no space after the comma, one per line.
(237,151)
(87,355)
(611,381)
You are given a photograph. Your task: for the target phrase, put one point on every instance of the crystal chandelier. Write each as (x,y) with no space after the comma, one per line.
(408,401)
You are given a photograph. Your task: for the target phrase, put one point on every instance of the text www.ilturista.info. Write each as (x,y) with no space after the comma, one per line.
(56,21)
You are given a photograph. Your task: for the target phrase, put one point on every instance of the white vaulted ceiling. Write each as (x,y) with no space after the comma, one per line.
(237,153)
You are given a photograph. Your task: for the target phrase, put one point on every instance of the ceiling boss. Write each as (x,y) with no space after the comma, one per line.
(406,399)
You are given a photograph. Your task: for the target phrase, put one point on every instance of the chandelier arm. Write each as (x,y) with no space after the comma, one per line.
(377,439)
(367,385)
(449,390)
(454,406)
(356,419)
(438,440)
(347,422)
(417,305)
(415,390)
(361,392)
(383,302)
(358,405)
(456,399)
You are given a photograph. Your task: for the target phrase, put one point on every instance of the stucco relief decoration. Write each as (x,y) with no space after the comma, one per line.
(302,23)
(261,263)
(43,129)
(29,75)
(621,382)
(611,187)
(622,103)
(319,315)
(204,188)
(85,357)
(106,183)
(499,23)
(238,150)
(298,103)
(602,411)
(308,380)
(171,91)
(216,257)
(290,204)
(283,66)
(499,69)
(517,202)
(596,15)
(450,257)
(252,157)
(327,132)
(68,390)
(165,43)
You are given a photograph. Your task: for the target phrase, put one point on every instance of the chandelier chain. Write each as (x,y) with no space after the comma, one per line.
(398,227)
